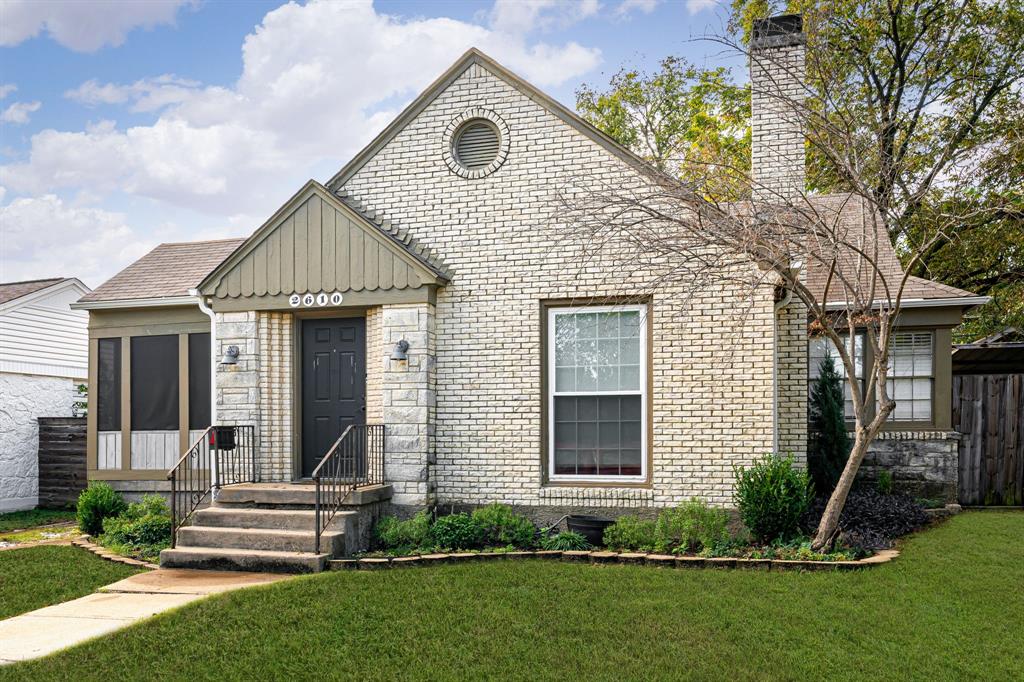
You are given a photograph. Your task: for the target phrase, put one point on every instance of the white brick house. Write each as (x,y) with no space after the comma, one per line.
(432,286)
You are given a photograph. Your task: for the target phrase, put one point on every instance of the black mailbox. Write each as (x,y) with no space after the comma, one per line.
(222,438)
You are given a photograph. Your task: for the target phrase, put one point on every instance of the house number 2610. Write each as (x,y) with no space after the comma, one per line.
(309,300)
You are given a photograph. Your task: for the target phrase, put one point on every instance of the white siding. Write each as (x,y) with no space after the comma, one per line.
(44,336)
(108,450)
(155,449)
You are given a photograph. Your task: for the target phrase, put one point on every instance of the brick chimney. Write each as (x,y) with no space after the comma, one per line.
(777,50)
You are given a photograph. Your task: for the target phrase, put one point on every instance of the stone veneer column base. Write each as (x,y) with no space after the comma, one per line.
(407,392)
(923,463)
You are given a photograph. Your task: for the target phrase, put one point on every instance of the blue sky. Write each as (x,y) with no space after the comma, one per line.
(127,124)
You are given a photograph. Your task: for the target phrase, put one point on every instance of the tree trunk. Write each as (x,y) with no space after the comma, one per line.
(829,523)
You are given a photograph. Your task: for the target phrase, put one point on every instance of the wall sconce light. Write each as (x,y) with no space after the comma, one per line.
(400,351)
(230,356)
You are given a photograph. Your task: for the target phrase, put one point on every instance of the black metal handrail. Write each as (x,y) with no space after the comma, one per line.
(231,448)
(356,459)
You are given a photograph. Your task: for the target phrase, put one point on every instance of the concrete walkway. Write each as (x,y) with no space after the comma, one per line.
(44,631)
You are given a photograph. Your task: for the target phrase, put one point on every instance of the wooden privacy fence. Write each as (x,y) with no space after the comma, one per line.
(61,460)
(988,410)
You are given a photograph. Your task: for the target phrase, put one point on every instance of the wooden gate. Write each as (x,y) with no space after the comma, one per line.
(988,410)
(61,460)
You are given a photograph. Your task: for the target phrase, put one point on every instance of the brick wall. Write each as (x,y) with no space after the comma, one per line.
(777,134)
(712,357)
(276,382)
(792,380)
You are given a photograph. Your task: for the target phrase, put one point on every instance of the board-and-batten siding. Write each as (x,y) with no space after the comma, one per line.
(150,449)
(46,337)
(318,248)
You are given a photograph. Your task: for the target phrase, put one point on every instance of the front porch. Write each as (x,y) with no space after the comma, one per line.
(275,527)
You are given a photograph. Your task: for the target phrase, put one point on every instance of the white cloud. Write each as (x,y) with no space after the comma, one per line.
(627,7)
(82,26)
(697,6)
(44,237)
(318,81)
(148,94)
(18,113)
(6,89)
(523,16)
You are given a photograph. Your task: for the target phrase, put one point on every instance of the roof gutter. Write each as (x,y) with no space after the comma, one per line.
(196,298)
(160,302)
(962,301)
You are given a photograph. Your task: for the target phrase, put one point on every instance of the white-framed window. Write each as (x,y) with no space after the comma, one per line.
(912,376)
(821,346)
(597,393)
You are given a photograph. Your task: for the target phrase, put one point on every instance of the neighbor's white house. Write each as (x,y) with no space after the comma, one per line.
(422,318)
(43,358)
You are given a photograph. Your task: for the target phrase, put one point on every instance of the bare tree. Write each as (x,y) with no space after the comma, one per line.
(863,118)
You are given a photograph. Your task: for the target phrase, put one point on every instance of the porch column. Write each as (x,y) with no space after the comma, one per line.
(408,400)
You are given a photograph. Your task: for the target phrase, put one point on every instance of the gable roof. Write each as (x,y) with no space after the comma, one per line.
(471,57)
(12,290)
(167,272)
(276,258)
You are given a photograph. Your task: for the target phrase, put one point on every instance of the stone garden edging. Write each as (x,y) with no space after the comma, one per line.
(603,557)
(86,543)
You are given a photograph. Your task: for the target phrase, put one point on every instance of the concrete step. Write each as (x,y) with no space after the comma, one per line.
(235,516)
(225,559)
(260,539)
(293,495)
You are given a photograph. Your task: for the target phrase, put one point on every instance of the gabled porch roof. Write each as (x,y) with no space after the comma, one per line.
(317,243)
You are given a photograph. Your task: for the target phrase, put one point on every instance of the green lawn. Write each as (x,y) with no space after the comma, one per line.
(34,577)
(949,608)
(21,520)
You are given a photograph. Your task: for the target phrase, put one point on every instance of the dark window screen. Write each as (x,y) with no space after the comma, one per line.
(108,393)
(198,381)
(154,383)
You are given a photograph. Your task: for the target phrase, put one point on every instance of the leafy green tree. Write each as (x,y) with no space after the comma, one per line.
(829,441)
(909,108)
(931,95)
(693,123)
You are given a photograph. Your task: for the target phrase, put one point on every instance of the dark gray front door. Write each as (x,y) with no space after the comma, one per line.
(333,383)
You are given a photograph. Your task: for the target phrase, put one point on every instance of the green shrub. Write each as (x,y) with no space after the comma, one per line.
(885,482)
(503,527)
(567,541)
(772,496)
(97,502)
(829,443)
(410,534)
(142,530)
(631,534)
(690,528)
(457,531)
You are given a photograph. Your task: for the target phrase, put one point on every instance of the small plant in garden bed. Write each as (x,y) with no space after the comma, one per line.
(141,531)
(96,503)
(798,549)
(772,496)
(503,527)
(567,541)
(630,534)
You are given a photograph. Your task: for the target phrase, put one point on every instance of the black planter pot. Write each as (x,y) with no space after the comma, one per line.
(590,527)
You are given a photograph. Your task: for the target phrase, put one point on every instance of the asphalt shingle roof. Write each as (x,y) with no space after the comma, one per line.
(168,270)
(852,218)
(12,290)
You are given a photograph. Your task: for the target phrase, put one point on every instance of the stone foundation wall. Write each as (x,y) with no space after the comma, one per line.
(922,463)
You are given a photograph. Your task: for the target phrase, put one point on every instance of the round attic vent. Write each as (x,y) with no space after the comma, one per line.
(475,144)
